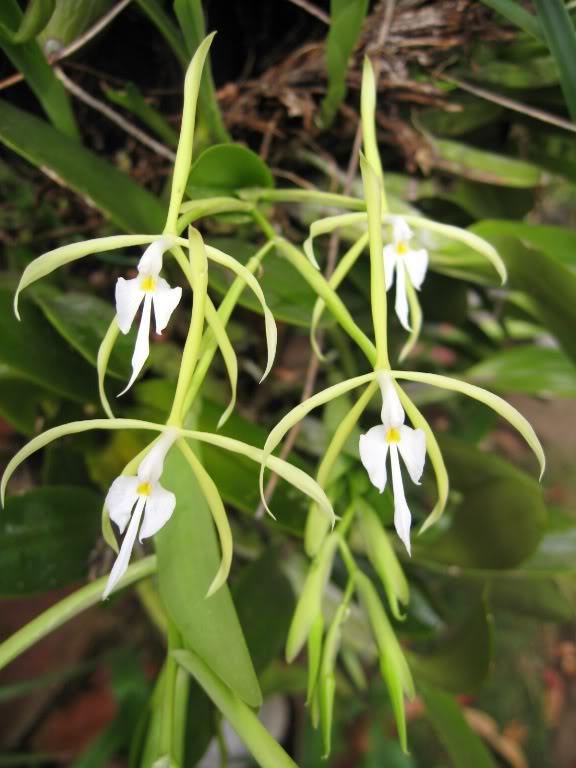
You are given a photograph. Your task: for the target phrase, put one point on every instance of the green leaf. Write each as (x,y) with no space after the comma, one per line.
(557,242)
(29,60)
(547,599)
(488,167)
(46,536)
(530,370)
(547,283)
(500,519)
(188,560)
(83,321)
(463,744)
(34,351)
(560,35)
(346,17)
(459,660)
(115,194)
(71,19)
(36,16)
(132,99)
(227,168)
(169,31)
(514,12)
(265,601)
(19,401)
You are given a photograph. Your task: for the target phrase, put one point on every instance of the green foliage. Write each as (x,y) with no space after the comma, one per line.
(558,28)
(227,168)
(346,18)
(188,561)
(482,210)
(464,746)
(46,536)
(130,206)
(29,60)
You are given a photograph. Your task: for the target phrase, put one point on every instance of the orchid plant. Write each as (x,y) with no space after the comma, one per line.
(140,506)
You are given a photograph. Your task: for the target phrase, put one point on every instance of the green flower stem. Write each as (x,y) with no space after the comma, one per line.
(349,562)
(213,320)
(171,668)
(67,609)
(266,751)
(186,140)
(368,113)
(320,285)
(372,187)
(199,274)
(209,343)
(306,196)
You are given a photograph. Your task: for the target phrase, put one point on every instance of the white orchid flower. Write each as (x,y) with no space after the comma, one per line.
(395,436)
(149,288)
(407,263)
(140,499)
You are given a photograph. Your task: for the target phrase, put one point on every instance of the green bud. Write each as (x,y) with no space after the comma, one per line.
(309,605)
(383,559)
(393,664)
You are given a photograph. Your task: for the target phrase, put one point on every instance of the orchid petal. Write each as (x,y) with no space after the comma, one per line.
(123,559)
(416,263)
(390,259)
(129,296)
(151,261)
(142,347)
(402,517)
(412,447)
(121,499)
(401,305)
(401,232)
(373,452)
(152,465)
(165,300)
(159,508)
(392,413)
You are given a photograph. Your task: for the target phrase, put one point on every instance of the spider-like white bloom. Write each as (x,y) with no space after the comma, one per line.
(407,263)
(140,499)
(394,436)
(149,288)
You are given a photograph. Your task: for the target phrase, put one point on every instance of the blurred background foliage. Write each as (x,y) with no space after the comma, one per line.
(475,117)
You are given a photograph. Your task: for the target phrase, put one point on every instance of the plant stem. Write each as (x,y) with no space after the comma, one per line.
(199,276)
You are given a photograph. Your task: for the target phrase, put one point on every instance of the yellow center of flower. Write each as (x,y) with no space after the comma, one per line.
(148,284)
(401,248)
(144,489)
(393,435)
